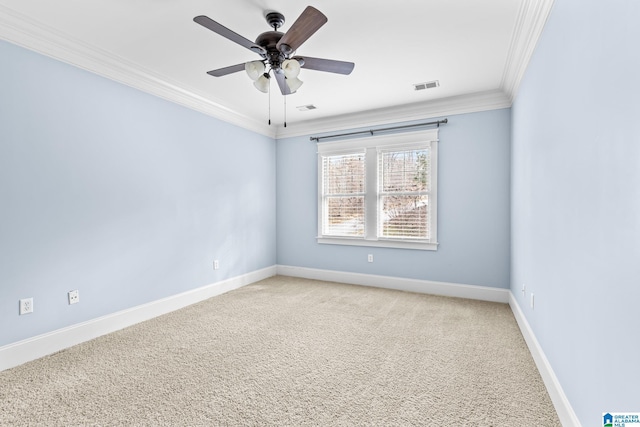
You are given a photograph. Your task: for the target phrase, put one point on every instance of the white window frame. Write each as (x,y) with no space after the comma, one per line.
(371,146)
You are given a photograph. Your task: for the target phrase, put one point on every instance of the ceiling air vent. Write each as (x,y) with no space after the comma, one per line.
(306,107)
(426,85)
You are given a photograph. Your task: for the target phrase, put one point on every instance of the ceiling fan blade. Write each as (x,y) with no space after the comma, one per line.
(228,34)
(226,70)
(328,65)
(282,82)
(307,23)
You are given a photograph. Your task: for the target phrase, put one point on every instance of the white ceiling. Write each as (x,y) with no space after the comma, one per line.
(476,49)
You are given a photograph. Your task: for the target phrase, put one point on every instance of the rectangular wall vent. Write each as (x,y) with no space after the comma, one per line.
(306,107)
(426,85)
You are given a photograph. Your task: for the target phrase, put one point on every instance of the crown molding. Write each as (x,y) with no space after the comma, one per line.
(23,31)
(531,19)
(33,35)
(471,103)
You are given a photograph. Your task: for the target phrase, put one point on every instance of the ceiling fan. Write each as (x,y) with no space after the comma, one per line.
(276,50)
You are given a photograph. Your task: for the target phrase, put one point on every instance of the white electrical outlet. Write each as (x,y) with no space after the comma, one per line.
(370,257)
(26,306)
(532,301)
(74,297)
(216,264)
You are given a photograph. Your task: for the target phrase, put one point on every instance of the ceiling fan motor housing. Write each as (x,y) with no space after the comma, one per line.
(268,41)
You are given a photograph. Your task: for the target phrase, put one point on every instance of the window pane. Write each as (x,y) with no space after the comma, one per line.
(344,216)
(404,217)
(404,171)
(379,192)
(343,174)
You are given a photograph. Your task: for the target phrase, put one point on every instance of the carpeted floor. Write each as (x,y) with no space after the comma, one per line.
(293,352)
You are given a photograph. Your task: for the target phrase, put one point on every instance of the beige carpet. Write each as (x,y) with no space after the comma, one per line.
(293,352)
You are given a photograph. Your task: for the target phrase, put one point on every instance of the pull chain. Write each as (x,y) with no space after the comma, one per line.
(285,111)
(269,93)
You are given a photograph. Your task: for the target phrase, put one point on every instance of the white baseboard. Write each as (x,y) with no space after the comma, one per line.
(482,293)
(565,412)
(33,348)
(561,403)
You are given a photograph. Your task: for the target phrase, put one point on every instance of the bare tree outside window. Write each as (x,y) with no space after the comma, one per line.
(379,192)
(343,190)
(404,187)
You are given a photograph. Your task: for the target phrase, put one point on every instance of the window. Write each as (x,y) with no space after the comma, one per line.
(379,191)
(343,189)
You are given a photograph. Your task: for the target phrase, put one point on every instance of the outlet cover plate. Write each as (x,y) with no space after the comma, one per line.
(532,301)
(74,297)
(26,306)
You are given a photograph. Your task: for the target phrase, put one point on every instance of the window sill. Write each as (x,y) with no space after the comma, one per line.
(398,244)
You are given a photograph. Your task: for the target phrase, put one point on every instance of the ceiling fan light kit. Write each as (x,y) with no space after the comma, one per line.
(276,49)
(291,68)
(294,83)
(262,83)
(254,69)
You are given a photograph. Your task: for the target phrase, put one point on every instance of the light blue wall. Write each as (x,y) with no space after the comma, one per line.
(576,201)
(119,194)
(473,209)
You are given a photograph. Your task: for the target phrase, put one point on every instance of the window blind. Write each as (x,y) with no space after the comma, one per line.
(404,183)
(343,191)
(379,191)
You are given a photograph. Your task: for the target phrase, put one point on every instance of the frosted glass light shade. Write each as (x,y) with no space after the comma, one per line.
(294,83)
(291,68)
(254,69)
(262,83)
